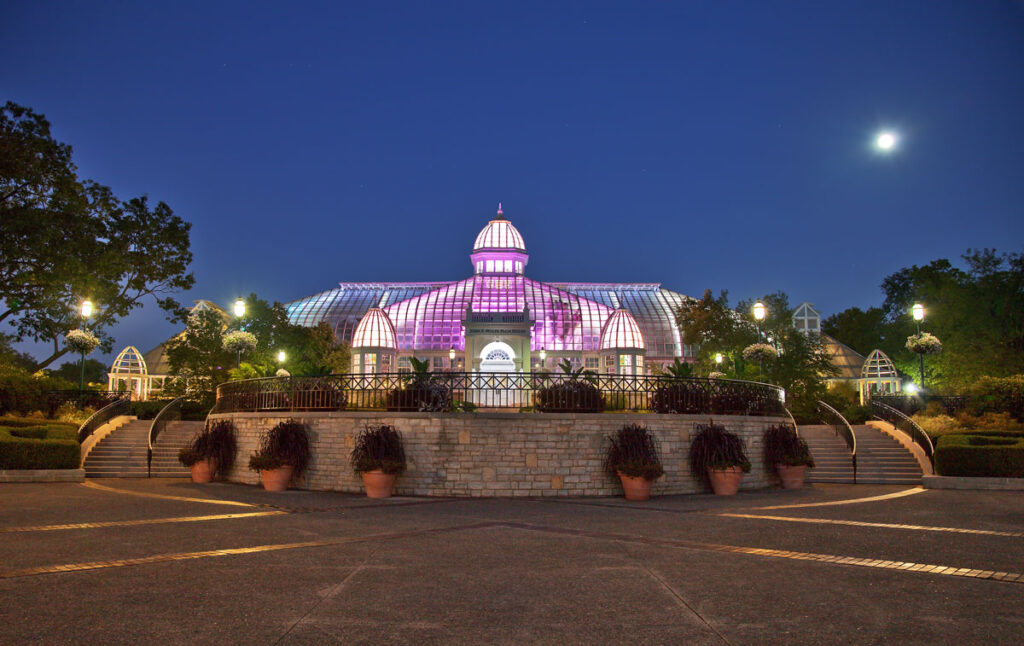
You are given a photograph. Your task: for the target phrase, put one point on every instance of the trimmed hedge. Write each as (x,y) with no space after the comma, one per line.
(28,443)
(992,454)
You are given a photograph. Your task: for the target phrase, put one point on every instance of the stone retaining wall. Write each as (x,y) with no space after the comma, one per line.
(497,454)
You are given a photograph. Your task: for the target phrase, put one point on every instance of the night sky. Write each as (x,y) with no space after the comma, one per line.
(719,145)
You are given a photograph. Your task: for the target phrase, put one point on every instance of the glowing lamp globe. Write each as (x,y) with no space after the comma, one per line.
(239,308)
(86,309)
(918,311)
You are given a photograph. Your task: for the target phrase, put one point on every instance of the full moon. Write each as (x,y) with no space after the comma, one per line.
(885,141)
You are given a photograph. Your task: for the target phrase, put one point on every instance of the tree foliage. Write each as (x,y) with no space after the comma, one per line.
(976,311)
(64,239)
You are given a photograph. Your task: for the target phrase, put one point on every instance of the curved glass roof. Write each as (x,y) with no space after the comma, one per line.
(374,331)
(499,234)
(621,331)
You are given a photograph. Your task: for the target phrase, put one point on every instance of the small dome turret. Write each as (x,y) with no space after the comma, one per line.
(499,248)
(375,330)
(621,332)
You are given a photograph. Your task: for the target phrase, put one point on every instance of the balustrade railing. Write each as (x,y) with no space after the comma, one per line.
(102,416)
(910,404)
(541,392)
(169,413)
(842,428)
(889,414)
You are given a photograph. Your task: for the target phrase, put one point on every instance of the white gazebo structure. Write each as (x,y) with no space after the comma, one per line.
(128,373)
(878,376)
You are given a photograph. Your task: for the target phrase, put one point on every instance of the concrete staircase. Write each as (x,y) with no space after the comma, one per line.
(880,458)
(830,453)
(122,453)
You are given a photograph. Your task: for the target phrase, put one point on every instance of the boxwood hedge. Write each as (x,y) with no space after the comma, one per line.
(36,444)
(995,454)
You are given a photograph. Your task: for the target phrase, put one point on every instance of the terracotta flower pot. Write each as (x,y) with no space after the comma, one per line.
(792,477)
(638,489)
(202,471)
(725,482)
(378,484)
(276,479)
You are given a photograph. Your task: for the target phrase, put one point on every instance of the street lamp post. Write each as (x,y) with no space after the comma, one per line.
(543,358)
(760,311)
(86,313)
(281,356)
(239,313)
(451,359)
(918,313)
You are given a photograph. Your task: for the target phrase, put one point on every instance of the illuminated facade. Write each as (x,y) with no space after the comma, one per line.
(500,320)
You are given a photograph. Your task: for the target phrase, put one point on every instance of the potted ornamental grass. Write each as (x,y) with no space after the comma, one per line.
(573,391)
(378,456)
(283,454)
(633,456)
(718,459)
(210,451)
(788,454)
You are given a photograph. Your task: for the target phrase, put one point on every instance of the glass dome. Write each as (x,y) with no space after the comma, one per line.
(499,235)
(375,330)
(621,331)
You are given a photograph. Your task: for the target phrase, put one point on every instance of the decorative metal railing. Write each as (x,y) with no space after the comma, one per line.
(541,392)
(102,416)
(889,414)
(910,404)
(169,413)
(842,428)
(80,399)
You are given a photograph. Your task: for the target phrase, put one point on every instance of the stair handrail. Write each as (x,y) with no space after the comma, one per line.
(102,416)
(887,413)
(169,413)
(842,428)
(796,429)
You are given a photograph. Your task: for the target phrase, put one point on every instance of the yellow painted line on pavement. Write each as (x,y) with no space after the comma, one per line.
(857,523)
(143,494)
(850,501)
(133,523)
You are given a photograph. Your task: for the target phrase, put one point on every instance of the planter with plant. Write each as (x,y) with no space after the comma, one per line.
(378,456)
(283,453)
(633,456)
(574,391)
(718,459)
(211,451)
(788,454)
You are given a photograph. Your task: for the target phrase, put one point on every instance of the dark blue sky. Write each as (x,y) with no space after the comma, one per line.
(696,144)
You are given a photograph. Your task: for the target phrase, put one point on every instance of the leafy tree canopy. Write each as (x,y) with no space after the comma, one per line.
(64,239)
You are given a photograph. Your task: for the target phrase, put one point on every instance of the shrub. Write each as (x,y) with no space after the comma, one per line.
(678,396)
(287,444)
(713,447)
(378,448)
(147,409)
(783,446)
(857,414)
(34,448)
(999,395)
(989,421)
(574,393)
(20,392)
(633,452)
(988,455)
(938,425)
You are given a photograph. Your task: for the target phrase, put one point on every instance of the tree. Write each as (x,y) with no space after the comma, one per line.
(862,330)
(63,239)
(976,312)
(95,371)
(197,356)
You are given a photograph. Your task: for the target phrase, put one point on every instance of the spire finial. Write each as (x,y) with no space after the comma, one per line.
(500,212)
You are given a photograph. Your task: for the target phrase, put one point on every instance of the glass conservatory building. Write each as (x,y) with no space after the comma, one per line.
(500,320)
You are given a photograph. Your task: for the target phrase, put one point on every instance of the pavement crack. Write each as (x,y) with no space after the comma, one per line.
(681,601)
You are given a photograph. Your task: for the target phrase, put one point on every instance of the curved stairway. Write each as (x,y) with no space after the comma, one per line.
(122,453)
(880,458)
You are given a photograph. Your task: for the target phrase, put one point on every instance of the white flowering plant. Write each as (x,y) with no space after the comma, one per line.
(281,372)
(81,341)
(760,352)
(239,341)
(924,343)
(716,375)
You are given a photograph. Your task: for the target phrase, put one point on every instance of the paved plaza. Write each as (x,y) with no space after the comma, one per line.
(169,562)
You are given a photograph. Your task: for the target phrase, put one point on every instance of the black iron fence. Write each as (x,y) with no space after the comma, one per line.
(842,428)
(900,420)
(546,393)
(910,404)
